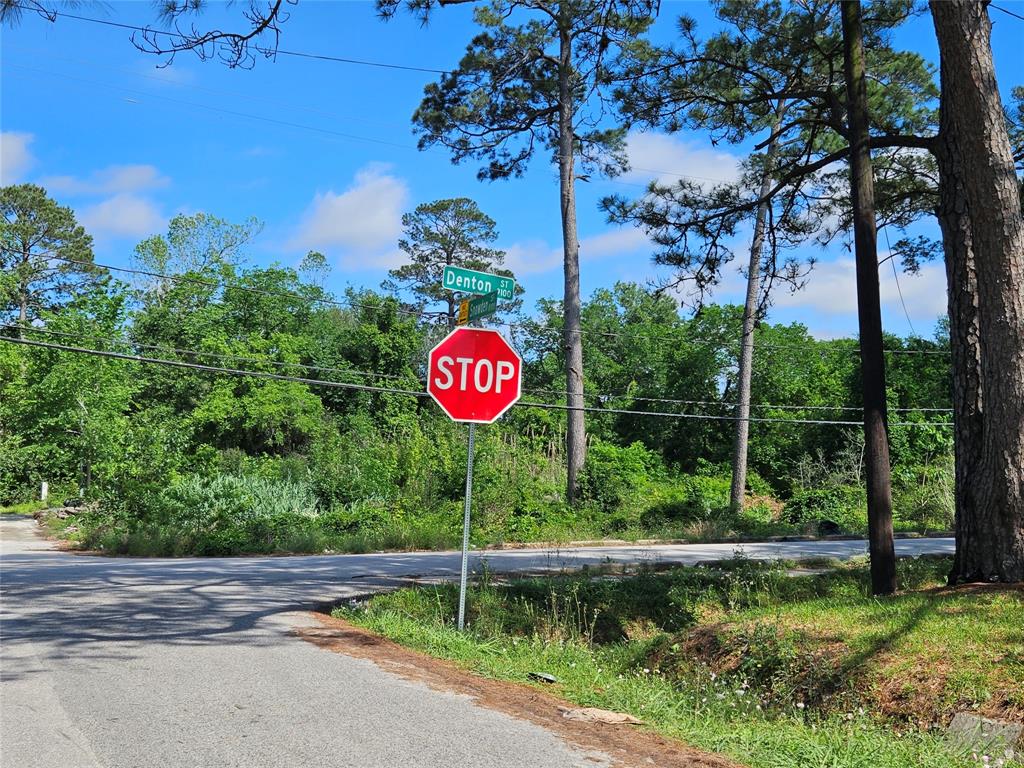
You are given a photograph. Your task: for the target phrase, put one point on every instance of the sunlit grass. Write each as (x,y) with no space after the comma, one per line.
(904,663)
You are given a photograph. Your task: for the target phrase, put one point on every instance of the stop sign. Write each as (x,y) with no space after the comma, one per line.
(474,375)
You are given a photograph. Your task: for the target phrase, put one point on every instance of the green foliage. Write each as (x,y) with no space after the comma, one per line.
(16,482)
(615,477)
(923,497)
(843,506)
(359,464)
(148,443)
(34,231)
(446,232)
(690,498)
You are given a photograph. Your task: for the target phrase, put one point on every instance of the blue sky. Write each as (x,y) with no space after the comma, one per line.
(324,155)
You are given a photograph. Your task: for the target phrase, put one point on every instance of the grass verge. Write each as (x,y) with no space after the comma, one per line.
(742,659)
(26,508)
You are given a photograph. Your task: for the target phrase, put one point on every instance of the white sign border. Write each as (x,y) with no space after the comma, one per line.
(519,378)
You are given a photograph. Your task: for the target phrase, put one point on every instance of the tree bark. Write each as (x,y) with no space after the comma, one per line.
(23,294)
(962,295)
(988,279)
(745,374)
(451,299)
(575,434)
(869,311)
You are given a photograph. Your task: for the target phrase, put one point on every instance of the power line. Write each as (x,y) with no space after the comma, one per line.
(53,15)
(200,353)
(261,99)
(707,417)
(435,315)
(1008,12)
(347,303)
(313,128)
(724,404)
(212,368)
(233,113)
(304,55)
(371,374)
(896,277)
(391,390)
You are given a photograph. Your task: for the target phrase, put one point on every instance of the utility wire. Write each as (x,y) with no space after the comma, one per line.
(436,315)
(371,374)
(391,390)
(896,277)
(221,93)
(1006,11)
(199,353)
(313,128)
(212,368)
(233,113)
(223,286)
(724,404)
(52,16)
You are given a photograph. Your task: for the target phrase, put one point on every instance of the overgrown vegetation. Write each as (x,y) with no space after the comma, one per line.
(744,658)
(177,461)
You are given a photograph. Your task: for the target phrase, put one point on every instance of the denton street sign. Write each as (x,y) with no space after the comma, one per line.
(471,281)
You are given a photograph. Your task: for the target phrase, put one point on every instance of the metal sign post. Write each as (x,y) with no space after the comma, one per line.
(475,375)
(465,527)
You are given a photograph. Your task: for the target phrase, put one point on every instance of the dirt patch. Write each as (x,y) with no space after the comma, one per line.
(627,745)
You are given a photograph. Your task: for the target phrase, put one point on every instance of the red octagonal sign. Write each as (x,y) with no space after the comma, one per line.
(474,375)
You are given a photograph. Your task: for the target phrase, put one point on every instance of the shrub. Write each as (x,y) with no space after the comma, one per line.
(845,506)
(357,465)
(614,476)
(15,484)
(692,498)
(923,498)
(758,514)
(365,516)
(211,516)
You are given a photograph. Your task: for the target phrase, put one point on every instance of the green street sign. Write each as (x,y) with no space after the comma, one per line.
(471,310)
(483,306)
(482,283)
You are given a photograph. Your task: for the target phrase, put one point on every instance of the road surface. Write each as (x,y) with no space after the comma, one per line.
(189,663)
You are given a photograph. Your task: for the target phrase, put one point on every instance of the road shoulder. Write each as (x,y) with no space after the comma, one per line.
(628,745)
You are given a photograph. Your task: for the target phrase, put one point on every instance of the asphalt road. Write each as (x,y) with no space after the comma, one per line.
(188,663)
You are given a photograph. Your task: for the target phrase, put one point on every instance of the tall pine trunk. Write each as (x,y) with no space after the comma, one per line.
(575,434)
(987,279)
(746,367)
(869,310)
(23,293)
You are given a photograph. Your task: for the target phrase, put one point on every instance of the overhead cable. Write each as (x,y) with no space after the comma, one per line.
(371,374)
(201,353)
(411,393)
(437,314)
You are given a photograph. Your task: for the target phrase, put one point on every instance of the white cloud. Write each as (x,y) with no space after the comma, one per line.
(15,157)
(360,225)
(614,242)
(113,180)
(123,215)
(667,157)
(531,257)
(534,256)
(831,290)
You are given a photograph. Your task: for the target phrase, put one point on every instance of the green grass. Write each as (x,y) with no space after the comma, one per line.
(25,508)
(772,670)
